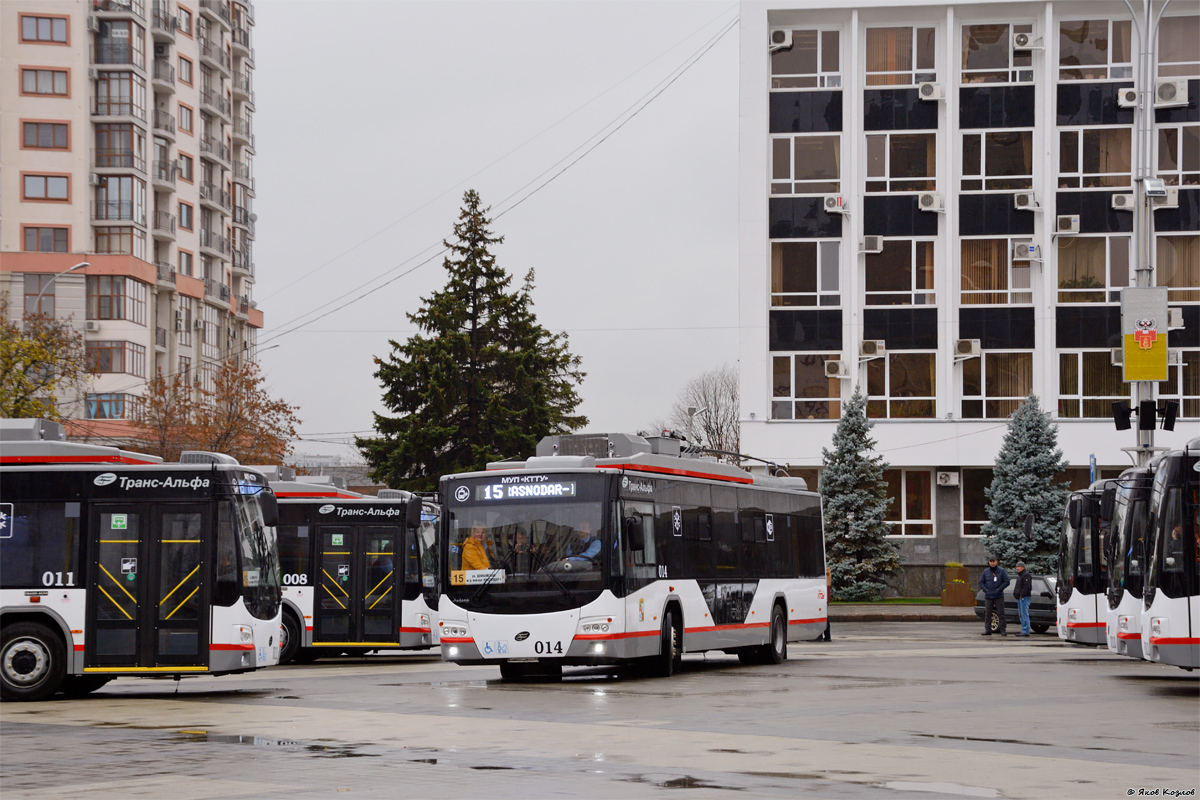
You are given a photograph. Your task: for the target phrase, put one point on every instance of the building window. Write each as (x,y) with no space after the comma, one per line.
(185,70)
(1092,269)
(900,56)
(120,42)
(997,161)
(121,197)
(902,275)
(974,500)
(46,187)
(989,277)
(911,509)
(210,338)
(121,94)
(185,21)
(185,263)
(901,162)
(185,370)
(813,162)
(1179,47)
(44,29)
(187,166)
(35,285)
(995,384)
(800,389)
(46,240)
(45,136)
(116,357)
(1094,49)
(184,316)
(124,241)
(1088,384)
(902,386)
(120,146)
(44,81)
(1178,267)
(185,119)
(805,273)
(988,57)
(1179,154)
(1094,157)
(812,62)
(114,297)
(111,405)
(1183,384)
(185,216)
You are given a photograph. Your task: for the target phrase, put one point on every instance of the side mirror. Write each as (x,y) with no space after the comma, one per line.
(1029,525)
(634,533)
(1170,560)
(1074,512)
(1047,594)
(1108,502)
(269,504)
(1133,563)
(412,513)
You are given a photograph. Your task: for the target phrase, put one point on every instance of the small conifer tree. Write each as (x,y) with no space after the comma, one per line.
(1023,483)
(854,501)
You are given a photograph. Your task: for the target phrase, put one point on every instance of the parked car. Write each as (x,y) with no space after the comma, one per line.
(1042,608)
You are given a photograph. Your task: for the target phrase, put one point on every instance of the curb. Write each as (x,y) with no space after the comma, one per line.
(899,616)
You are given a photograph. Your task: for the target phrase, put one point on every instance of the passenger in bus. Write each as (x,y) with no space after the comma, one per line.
(474,553)
(585,546)
(522,552)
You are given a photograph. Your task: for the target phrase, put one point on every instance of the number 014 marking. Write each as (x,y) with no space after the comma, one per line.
(546,648)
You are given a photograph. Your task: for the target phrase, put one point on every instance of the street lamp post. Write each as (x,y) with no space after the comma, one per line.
(38,300)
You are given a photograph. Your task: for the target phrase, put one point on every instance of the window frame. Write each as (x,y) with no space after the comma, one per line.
(1016,74)
(25,233)
(1124,68)
(992,183)
(1177,294)
(916,74)
(1175,69)
(873,399)
(818,186)
(821,292)
(1189,401)
(983,398)
(191,260)
(190,80)
(64,124)
(66,20)
(127,299)
(190,160)
(25,198)
(968,524)
(22,69)
(1111,292)
(930,181)
(1075,179)
(833,402)
(132,357)
(110,232)
(823,79)
(917,297)
(1079,396)
(191,216)
(189,29)
(1010,273)
(1179,176)
(46,294)
(190,128)
(900,506)
(94,400)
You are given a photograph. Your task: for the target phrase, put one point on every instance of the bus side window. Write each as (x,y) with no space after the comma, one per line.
(226,586)
(42,546)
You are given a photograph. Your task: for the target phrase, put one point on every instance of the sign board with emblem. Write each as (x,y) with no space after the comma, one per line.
(6,520)
(770,527)
(128,566)
(676,520)
(1144,333)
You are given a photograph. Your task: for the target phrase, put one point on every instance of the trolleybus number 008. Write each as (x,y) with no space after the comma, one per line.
(56,579)
(546,648)
(295,579)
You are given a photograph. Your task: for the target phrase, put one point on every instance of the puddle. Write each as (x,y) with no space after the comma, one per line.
(423,760)
(318,750)
(941,788)
(681,782)
(491,768)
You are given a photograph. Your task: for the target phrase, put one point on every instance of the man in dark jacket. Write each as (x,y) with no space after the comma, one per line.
(1023,592)
(993,581)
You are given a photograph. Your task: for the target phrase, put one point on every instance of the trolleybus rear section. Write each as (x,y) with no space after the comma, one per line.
(1082,564)
(641,554)
(113,564)
(1127,562)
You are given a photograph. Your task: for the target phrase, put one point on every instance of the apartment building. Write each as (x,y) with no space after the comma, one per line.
(935,206)
(127,139)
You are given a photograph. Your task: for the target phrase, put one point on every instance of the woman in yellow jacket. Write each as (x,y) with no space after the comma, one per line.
(474,552)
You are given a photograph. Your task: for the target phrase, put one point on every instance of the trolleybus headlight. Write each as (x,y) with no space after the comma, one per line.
(1123,622)
(245,634)
(1072,614)
(452,652)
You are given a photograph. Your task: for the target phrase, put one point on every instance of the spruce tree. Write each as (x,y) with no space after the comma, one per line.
(1023,482)
(481,381)
(854,500)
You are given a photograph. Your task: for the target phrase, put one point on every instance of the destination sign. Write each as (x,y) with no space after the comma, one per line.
(524,491)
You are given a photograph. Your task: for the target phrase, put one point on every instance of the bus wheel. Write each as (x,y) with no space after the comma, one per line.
(775,651)
(290,638)
(80,685)
(33,662)
(1040,628)
(666,663)
(306,655)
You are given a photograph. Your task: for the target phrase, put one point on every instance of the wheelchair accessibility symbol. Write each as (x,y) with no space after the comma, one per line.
(496,648)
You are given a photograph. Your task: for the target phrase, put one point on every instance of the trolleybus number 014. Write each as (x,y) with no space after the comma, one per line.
(546,648)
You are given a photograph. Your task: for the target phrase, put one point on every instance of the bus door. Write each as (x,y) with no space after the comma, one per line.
(149,591)
(358,595)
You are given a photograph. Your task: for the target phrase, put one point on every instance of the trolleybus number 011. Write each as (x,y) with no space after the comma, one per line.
(546,648)
(56,579)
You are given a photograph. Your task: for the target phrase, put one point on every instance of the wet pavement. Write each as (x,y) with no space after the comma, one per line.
(903,710)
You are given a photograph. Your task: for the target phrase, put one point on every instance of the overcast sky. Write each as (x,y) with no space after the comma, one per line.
(372,118)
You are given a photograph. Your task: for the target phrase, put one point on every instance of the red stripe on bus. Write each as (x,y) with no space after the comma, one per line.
(457,639)
(711,628)
(1164,640)
(336,495)
(78,648)
(74,460)
(1128,636)
(414,630)
(308,627)
(669,471)
(231,647)
(1086,624)
(807,621)
(591,637)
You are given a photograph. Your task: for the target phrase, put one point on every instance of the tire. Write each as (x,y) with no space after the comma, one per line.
(80,685)
(1040,628)
(307,655)
(667,662)
(33,662)
(750,656)
(291,637)
(775,651)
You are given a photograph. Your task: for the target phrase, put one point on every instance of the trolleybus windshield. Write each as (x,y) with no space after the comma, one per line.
(1174,567)
(241,531)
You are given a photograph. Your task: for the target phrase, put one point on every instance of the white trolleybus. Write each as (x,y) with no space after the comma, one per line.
(359,572)
(1127,562)
(1171,600)
(113,563)
(1082,580)
(611,548)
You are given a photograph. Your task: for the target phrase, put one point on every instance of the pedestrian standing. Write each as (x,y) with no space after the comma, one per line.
(993,582)
(1023,592)
(828,597)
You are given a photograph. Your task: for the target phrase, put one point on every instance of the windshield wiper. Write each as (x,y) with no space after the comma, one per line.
(483,587)
(562,586)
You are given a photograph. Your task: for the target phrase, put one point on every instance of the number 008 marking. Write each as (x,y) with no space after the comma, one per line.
(295,579)
(545,648)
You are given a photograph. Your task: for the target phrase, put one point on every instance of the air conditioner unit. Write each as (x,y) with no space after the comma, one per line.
(1116,356)
(1025,250)
(947,479)
(231,333)
(1122,202)
(1127,98)
(781,40)
(1175,319)
(833,204)
(1170,92)
(931,91)
(930,201)
(178,321)
(161,49)
(836,369)
(872,244)
(93,24)
(93,73)
(1171,200)
(1174,357)
(1067,223)
(93,179)
(967,347)
(1025,201)
(1025,41)
(91,326)
(872,348)
(198,324)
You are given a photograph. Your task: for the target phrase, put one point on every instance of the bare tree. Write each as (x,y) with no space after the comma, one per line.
(706,409)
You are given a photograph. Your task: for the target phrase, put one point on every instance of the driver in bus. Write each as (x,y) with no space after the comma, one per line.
(474,552)
(586,545)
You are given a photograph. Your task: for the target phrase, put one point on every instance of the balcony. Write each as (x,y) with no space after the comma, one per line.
(243,87)
(215,101)
(242,262)
(117,107)
(213,52)
(242,309)
(215,290)
(241,42)
(162,21)
(241,131)
(106,7)
(215,148)
(119,158)
(164,124)
(217,10)
(243,10)
(210,195)
(162,75)
(118,211)
(108,51)
(166,273)
(241,174)
(245,219)
(211,240)
(162,173)
(164,226)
